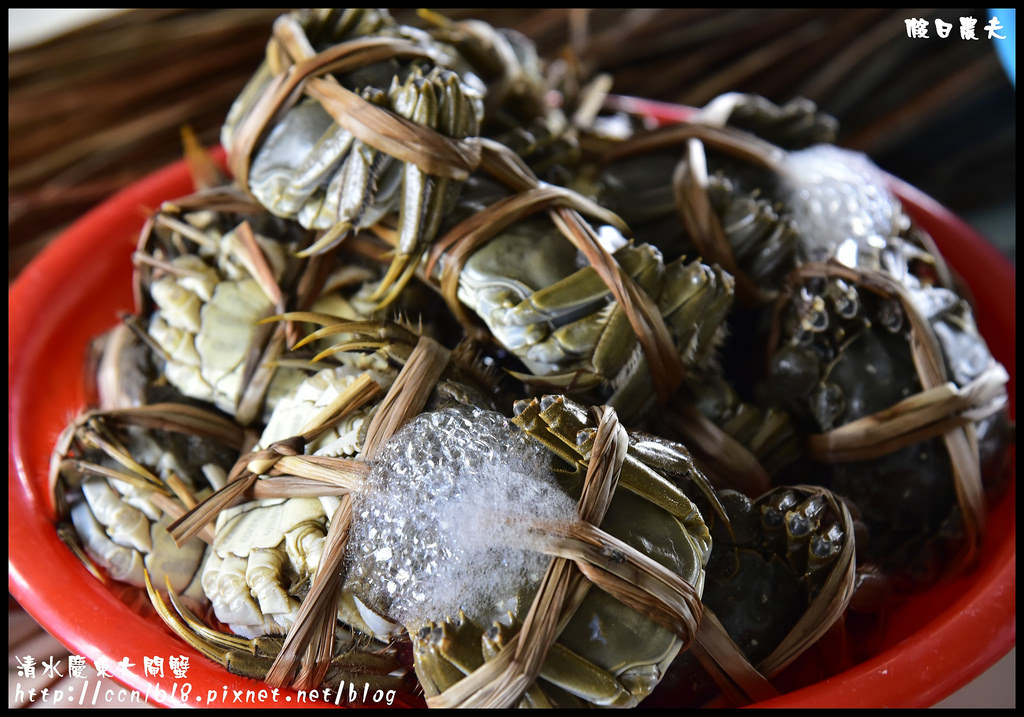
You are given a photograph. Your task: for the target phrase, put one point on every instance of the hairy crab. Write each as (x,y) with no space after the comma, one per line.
(121,476)
(352,117)
(465,656)
(859,348)
(780,576)
(562,322)
(210,267)
(266,551)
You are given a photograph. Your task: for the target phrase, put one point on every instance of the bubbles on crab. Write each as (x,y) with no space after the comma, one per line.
(442,521)
(840,204)
(610,238)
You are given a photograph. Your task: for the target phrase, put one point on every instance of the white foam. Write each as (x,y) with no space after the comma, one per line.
(442,523)
(840,204)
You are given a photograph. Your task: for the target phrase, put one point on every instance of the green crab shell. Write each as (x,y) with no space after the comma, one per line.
(608,654)
(306,166)
(618,639)
(541,302)
(838,366)
(608,642)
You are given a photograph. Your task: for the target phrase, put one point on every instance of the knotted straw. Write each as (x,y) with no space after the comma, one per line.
(584,556)
(313,631)
(940,408)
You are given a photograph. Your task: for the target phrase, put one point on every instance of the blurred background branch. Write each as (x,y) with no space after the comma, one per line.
(94,109)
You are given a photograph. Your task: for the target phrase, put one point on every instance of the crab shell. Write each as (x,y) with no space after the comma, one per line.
(608,654)
(559,318)
(337,170)
(770,560)
(121,484)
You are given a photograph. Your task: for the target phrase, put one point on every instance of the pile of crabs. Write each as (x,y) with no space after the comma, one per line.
(458,385)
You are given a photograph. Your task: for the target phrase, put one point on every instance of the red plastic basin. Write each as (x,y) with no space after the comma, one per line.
(74,290)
